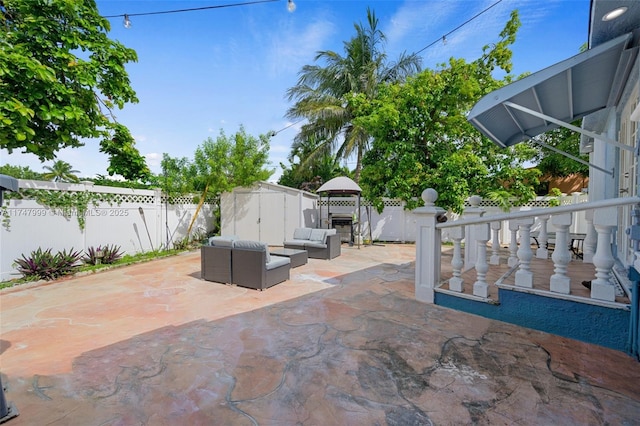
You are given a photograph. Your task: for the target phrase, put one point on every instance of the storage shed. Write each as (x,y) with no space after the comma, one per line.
(267,212)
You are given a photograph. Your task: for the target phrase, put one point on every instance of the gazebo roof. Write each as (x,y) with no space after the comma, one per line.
(340,185)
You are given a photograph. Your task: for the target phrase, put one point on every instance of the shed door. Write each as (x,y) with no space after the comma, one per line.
(272,217)
(247,216)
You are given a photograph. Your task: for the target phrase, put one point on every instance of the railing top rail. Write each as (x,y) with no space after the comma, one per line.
(611,202)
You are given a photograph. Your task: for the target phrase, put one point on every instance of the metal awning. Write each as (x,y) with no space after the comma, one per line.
(556,96)
(7,183)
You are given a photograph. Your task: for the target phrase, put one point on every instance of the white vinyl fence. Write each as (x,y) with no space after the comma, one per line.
(396,224)
(136,220)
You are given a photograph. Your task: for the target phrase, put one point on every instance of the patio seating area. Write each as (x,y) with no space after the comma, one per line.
(341,342)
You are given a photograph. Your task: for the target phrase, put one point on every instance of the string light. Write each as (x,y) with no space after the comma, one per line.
(444,37)
(291,6)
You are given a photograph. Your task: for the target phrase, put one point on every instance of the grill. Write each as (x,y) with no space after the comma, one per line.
(343,224)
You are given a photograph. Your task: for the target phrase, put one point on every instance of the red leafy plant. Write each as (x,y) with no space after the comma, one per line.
(45,265)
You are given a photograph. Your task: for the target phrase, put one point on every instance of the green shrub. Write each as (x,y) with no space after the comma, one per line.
(110,254)
(42,264)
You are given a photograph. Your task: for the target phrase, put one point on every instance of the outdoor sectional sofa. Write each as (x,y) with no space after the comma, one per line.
(242,262)
(319,243)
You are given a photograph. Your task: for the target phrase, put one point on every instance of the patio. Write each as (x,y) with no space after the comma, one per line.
(342,342)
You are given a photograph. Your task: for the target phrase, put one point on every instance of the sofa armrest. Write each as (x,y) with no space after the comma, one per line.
(333,246)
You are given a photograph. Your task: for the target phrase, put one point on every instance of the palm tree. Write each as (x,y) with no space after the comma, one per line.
(322,93)
(60,171)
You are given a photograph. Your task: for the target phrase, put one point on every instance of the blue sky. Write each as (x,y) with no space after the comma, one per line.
(202,71)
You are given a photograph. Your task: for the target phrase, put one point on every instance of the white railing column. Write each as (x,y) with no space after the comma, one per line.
(605,221)
(470,238)
(590,240)
(428,256)
(524,276)
(513,245)
(543,239)
(456,282)
(495,243)
(560,282)
(480,287)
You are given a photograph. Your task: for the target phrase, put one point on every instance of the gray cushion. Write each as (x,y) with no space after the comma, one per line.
(277,261)
(315,244)
(252,245)
(300,243)
(221,241)
(318,235)
(301,233)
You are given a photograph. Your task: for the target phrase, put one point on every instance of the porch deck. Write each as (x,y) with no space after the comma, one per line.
(542,271)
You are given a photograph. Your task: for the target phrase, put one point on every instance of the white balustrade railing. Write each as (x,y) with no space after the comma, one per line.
(475,229)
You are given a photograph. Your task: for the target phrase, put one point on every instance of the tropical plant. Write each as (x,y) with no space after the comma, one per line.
(60,75)
(322,92)
(106,254)
(43,264)
(60,171)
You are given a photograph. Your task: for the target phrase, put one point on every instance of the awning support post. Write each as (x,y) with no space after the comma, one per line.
(569,126)
(573,157)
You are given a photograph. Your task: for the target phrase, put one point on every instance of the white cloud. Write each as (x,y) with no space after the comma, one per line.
(293,48)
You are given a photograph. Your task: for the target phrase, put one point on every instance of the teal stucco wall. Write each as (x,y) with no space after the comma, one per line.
(589,323)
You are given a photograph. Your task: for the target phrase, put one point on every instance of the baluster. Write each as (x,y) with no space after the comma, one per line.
(560,282)
(605,221)
(473,211)
(495,244)
(524,276)
(543,250)
(513,245)
(456,283)
(590,240)
(480,287)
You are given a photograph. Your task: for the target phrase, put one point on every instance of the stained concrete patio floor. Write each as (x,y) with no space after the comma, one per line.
(343,342)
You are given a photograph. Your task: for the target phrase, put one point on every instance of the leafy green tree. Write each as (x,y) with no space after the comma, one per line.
(321,92)
(177,176)
(553,164)
(310,175)
(60,171)
(422,138)
(60,75)
(19,172)
(218,166)
(124,158)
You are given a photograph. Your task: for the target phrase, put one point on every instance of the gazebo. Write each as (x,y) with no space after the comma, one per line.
(342,185)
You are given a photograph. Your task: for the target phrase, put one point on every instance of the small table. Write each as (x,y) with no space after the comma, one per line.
(298,257)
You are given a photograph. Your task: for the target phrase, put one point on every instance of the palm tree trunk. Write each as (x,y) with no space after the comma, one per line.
(356,173)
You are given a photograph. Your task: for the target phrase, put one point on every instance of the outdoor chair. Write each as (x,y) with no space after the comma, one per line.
(252,266)
(319,243)
(215,259)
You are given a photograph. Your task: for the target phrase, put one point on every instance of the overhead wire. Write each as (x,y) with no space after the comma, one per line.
(193,9)
(444,37)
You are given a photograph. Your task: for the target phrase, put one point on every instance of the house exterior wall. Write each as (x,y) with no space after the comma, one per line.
(623,163)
